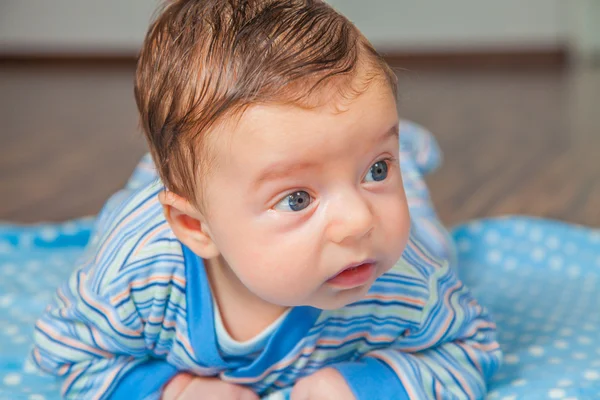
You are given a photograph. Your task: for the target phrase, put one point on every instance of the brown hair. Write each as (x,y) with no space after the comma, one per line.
(203,60)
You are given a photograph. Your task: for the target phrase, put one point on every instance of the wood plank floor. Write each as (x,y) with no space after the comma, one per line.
(523,141)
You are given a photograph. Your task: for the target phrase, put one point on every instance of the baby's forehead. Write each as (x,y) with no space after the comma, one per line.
(277,127)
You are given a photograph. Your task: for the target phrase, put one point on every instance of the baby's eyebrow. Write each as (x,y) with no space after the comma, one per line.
(393,132)
(282,169)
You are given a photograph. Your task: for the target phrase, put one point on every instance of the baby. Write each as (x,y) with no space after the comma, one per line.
(276,250)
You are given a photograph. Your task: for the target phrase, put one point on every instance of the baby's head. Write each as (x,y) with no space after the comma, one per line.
(273,126)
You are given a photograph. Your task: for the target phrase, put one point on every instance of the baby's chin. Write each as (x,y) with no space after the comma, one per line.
(341,299)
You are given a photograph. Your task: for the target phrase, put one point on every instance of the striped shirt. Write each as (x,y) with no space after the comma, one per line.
(138,308)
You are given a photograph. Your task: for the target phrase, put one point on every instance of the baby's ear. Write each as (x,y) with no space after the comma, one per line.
(188,224)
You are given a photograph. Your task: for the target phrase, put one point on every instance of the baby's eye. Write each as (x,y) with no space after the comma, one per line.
(297,201)
(378,172)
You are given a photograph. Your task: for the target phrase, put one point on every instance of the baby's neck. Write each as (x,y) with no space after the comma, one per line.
(244,315)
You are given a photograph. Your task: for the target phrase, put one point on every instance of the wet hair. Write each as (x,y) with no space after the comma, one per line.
(204,61)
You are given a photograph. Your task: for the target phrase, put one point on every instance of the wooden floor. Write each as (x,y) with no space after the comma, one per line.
(523,141)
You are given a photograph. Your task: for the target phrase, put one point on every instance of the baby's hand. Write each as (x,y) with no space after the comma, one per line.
(186,386)
(325,384)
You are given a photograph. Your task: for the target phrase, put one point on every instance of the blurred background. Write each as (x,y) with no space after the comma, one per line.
(511,90)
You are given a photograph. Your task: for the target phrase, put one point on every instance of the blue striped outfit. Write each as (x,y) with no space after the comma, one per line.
(138,308)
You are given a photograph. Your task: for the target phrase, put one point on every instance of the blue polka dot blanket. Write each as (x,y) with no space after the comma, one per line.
(538,278)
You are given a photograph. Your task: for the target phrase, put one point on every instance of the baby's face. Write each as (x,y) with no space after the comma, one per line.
(297,197)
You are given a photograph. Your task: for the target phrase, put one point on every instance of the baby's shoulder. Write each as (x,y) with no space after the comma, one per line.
(132,245)
(417,261)
(406,288)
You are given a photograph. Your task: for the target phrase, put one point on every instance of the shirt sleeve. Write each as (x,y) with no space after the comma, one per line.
(83,339)
(451,355)
(110,328)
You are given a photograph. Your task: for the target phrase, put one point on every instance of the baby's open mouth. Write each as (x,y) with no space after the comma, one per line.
(353,276)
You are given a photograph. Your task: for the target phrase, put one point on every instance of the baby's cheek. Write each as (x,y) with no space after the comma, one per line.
(279,281)
(396,222)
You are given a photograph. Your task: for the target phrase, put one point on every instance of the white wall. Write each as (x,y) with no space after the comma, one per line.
(458,24)
(585,29)
(67,26)
(71,26)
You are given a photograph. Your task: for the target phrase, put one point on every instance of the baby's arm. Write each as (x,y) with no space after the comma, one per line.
(95,340)
(419,156)
(451,355)
(186,386)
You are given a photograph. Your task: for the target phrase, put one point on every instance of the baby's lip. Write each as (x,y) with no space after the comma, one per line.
(353,265)
(354,275)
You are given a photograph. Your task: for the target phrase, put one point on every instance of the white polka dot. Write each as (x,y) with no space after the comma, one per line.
(555,360)
(535,290)
(514,321)
(589,285)
(525,338)
(570,248)
(556,393)
(511,359)
(499,377)
(25,240)
(464,245)
(595,363)
(511,397)
(510,264)
(33,266)
(6,301)
(564,383)
(543,339)
(579,356)
(584,340)
(493,395)
(36,397)
(561,344)
(565,332)
(6,247)
(475,227)
(591,375)
(70,228)
(520,227)
(56,260)
(523,272)
(595,237)
(555,263)
(8,269)
(492,237)
(494,256)
(553,243)
(29,368)
(537,313)
(11,330)
(538,254)
(536,235)
(536,351)
(48,234)
(20,339)
(519,382)
(531,326)
(574,271)
(12,379)
(503,284)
